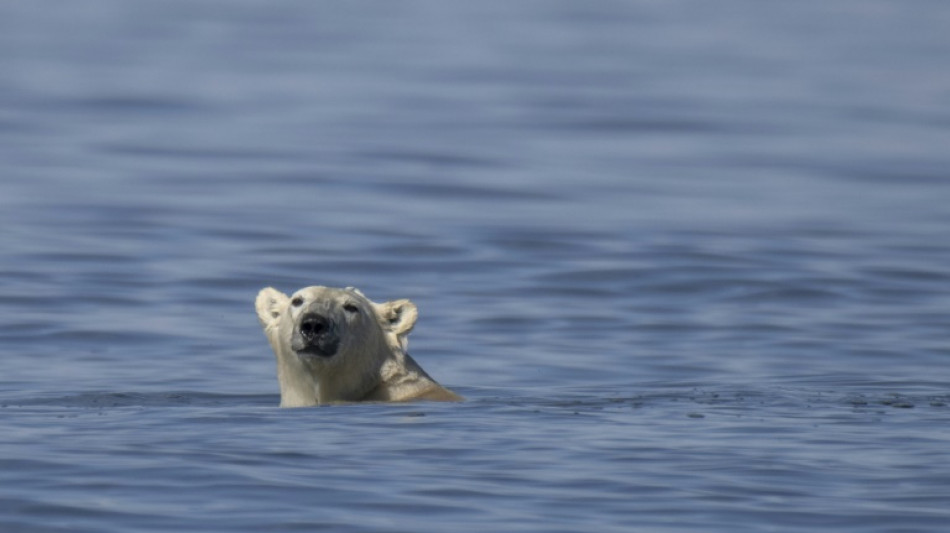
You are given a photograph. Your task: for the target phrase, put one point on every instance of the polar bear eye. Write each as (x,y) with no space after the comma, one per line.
(350,308)
(297,301)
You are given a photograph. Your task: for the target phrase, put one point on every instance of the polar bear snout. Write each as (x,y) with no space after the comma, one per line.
(315,335)
(313,326)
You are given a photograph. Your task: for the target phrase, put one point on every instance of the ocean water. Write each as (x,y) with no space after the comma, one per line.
(687,261)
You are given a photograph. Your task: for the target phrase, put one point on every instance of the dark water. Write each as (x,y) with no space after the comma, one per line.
(689,262)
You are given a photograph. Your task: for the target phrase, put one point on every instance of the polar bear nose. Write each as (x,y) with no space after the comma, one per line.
(313,326)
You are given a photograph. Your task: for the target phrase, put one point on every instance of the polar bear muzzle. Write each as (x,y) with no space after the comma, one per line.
(317,335)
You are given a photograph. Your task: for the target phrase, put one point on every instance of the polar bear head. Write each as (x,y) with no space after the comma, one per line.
(338,345)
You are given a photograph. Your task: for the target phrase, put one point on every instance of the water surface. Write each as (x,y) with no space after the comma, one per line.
(687,262)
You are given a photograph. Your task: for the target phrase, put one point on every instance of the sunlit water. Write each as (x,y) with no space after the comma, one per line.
(687,261)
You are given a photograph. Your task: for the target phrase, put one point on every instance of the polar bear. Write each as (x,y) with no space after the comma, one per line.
(336,345)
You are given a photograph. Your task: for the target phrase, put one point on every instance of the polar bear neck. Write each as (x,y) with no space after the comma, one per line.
(394,377)
(402,380)
(370,374)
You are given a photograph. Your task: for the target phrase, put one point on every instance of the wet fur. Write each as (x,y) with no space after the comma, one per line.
(371,363)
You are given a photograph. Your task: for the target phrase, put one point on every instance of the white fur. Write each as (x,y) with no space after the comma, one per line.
(371,363)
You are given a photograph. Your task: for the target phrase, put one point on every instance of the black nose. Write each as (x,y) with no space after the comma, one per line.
(313,326)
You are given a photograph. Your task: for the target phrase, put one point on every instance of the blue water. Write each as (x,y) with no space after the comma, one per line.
(688,261)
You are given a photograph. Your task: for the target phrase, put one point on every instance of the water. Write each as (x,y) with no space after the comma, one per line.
(688,263)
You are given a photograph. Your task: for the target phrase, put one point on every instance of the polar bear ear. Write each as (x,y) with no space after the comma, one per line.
(270,304)
(398,316)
